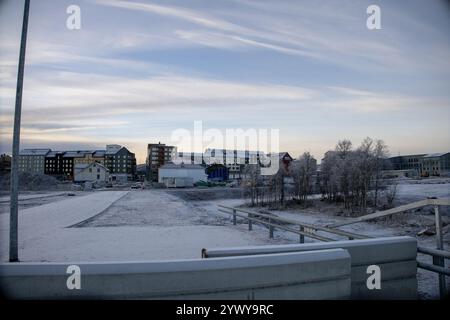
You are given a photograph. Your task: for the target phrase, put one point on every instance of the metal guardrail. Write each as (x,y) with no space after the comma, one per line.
(409,206)
(439,254)
(304,229)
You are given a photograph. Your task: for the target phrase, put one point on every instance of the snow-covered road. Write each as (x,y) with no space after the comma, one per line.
(45,224)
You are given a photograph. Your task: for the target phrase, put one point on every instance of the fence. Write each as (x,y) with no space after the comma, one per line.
(274,222)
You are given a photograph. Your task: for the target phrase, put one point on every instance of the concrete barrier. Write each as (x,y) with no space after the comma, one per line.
(321,274)
(396,257)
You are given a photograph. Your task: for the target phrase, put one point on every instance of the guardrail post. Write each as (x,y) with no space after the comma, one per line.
(302,237)
(250,226)
(439,261)
(234,216)
(270,229)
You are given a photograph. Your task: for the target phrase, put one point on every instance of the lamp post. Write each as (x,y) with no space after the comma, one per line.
(13,219)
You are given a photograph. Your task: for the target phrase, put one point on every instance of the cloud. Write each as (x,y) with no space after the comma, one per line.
(174,12)
(130,78)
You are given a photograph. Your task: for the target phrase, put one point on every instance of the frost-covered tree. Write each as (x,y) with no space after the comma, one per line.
(251,182)
(349,175)
(381,152)
(304,172)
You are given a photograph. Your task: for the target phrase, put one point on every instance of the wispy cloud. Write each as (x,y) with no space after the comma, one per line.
(139,69)
(174,12)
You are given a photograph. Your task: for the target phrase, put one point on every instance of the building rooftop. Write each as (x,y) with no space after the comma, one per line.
(99,153)
(227,152)
(77,153)
(433,155)
(34,152)
(181,166)
(281,155)
(52,154)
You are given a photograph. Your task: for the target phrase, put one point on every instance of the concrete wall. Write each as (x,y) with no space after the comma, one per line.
(396,257)
(297,275)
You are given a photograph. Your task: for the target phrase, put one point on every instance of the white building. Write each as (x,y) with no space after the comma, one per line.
(93,172)
(181,175)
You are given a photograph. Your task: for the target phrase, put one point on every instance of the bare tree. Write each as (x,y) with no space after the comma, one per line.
(251,182)
(381,152)
(348,175)
(304,171)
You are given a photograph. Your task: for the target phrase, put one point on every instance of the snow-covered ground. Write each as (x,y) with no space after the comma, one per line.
(37,195)
(119,226)
(410,191)
(156,224)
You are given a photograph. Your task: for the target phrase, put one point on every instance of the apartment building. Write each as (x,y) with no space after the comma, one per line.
(32,160)
(425,165)
(54,163)
(120,162)
(5,163)
(234,160)
(158,154)
(435,164)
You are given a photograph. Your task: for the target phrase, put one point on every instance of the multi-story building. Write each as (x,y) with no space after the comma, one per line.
(68,159)
(32,160)
(407,162)
(120,162)
(425,165)
(54,163)
(435,164)
(189,158)
(89,156)
(158,154)
(234,160)
(5,163)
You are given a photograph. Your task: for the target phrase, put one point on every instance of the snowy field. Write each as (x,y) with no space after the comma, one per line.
(415,190)
(119,226)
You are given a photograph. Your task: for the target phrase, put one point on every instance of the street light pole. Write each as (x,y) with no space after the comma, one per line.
(13,219)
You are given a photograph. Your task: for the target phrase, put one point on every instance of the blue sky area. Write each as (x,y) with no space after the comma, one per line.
(138,70)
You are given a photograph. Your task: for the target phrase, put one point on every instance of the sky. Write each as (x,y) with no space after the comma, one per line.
(136,71)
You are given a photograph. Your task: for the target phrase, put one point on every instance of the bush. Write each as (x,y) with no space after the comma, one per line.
(30,181)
